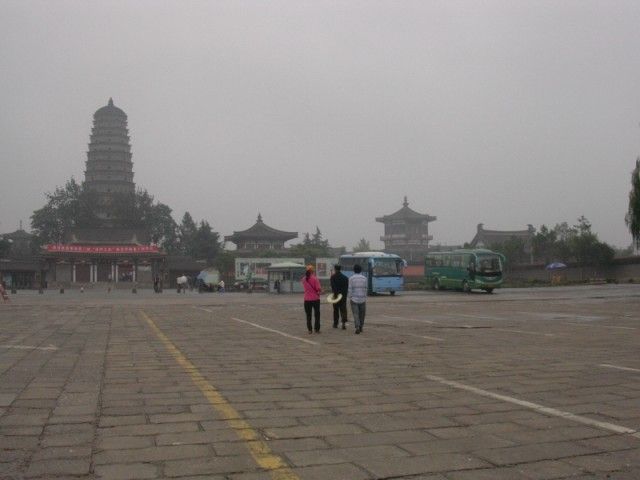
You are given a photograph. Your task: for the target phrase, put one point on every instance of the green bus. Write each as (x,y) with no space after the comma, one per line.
(464,269)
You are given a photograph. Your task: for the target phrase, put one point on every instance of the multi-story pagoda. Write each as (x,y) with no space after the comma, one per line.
(260,237)
(109,169)
(105,252)
(406,233)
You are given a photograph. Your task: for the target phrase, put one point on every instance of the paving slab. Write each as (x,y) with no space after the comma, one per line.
(515,387)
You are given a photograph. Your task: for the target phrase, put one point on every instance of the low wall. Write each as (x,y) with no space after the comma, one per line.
(622,270)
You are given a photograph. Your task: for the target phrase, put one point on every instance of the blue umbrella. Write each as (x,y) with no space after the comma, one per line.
(209,277)
(555,266)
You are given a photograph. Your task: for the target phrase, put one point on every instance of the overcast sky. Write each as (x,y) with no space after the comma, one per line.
(322,113)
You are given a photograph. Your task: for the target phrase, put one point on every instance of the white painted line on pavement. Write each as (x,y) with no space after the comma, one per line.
(480,317)
(265,328)
(523,331)
(409,334)
(275,331)
(29,347)
(599,326)
(538,408)
(629,369)
(407,319)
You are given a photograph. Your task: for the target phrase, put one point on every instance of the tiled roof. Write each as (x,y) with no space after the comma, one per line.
(406,213)
(261,230)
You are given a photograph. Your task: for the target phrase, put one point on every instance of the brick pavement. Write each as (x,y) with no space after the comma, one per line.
(523,384)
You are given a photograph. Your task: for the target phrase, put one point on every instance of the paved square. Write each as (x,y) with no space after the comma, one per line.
(522,384)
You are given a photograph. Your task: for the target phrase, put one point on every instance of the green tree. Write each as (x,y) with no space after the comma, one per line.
(225,262)
(362,246)
(187,234)
(67,207)
(317,239)
(514,249)
(162,227)
(139,210)
(632,218)
(544,244)
(312,247)
(563,247)
(586,248)
(72,206)
(5,247)
(206,243)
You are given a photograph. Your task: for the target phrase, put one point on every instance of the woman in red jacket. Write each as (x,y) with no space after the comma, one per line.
(312,291)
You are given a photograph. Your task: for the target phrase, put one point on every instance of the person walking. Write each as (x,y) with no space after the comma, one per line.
(3,292)
(339,286)
(357,294)
(312,291)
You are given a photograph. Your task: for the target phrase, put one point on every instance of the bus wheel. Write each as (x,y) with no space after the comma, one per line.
(436,284)
(392,292)
(465,287)
(488,290)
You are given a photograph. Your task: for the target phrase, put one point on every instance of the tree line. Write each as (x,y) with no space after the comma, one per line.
(561,243)
(72,206)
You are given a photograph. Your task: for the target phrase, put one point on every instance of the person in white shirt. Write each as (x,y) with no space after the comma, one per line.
(357,295)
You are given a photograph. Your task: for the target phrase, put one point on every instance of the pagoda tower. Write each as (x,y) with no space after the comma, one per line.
(109,250)
(109,169)
(406,233)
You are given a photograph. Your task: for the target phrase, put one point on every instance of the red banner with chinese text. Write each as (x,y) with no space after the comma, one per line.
(62,248)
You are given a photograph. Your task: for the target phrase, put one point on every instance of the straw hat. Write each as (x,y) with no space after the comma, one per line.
(332,299)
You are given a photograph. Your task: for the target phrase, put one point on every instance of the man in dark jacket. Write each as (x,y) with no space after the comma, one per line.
(339,285)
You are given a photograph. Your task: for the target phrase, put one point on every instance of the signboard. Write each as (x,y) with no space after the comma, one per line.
(119,249)
(324,267)
(257,267)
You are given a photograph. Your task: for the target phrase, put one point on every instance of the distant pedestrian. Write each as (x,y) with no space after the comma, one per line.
(339,286)
(221,286)
(312,291)
(358,297)
(3,292)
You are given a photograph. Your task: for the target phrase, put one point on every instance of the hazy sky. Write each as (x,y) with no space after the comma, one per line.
(328,113)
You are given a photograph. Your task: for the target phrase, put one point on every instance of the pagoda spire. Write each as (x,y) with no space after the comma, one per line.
(405,203)
(110,102)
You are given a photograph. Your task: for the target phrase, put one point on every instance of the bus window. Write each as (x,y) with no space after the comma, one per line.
(487,264)
(383,267)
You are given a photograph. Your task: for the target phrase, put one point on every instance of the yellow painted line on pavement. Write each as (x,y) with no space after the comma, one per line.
(260,451)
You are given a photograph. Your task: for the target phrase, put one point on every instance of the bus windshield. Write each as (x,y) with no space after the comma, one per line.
(386,266)
(488,264)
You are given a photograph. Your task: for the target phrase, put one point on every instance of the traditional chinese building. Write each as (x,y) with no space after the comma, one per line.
(105,253)
(406,233)
(20,268)
(493,238)
(260,237)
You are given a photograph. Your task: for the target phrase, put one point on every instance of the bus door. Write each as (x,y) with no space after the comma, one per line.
(367,269)
(470,261)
